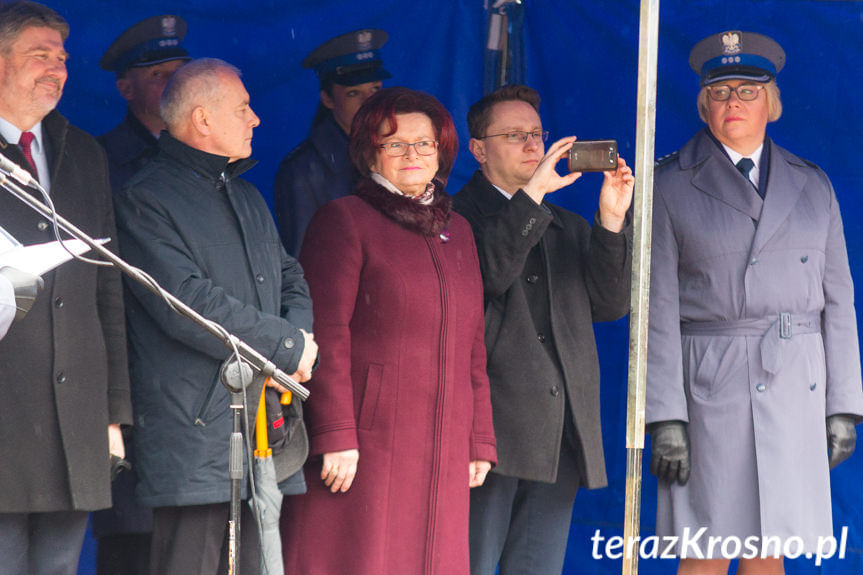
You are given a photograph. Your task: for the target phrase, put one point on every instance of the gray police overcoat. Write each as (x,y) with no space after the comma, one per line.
(752,340)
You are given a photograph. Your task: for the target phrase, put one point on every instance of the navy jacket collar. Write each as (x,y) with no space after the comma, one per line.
(210,166)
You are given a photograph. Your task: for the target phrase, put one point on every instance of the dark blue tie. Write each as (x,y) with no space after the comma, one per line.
(744,166)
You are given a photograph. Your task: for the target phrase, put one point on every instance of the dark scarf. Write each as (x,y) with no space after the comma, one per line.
(430,220)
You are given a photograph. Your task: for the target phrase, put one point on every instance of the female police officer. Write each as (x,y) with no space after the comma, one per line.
(753,336)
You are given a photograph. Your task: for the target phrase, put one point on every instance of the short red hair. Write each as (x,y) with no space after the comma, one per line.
(383,107)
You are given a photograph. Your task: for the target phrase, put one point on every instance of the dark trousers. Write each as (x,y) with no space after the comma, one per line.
(123,554)
(194,540)
(41,543)
(521,524)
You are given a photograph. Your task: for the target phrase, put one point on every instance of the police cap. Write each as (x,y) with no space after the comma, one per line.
(350,59)
(737,55)
(151,41)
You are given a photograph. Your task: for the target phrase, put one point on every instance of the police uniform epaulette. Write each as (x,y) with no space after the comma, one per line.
(810,164)
(666,159)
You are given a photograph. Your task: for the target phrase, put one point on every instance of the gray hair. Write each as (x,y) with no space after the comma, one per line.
(771,91)
(18,16)
(194,84)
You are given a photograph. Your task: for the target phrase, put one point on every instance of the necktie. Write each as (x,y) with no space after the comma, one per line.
(744,166)
(25,141)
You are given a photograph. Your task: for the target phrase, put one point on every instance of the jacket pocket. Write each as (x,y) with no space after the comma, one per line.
(371,393)
(207,399)
(714,362)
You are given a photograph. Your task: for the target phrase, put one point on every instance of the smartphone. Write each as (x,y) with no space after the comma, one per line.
(593,156)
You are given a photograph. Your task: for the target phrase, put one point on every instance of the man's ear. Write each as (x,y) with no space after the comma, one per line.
(477,148)
(327,100)
(126,89)
(201,120)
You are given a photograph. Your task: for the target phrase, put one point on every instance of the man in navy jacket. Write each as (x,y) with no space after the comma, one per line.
(207,236)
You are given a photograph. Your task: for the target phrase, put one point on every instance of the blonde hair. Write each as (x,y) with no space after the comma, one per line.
(771,91)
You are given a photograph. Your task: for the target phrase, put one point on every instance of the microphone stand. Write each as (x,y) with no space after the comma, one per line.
(249,355)
(235,471)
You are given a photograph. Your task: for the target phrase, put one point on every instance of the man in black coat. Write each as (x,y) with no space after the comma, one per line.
(207,236)
(143,57)
(548,275)
(64,380)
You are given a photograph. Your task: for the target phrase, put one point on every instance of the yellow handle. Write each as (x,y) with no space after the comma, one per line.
(261,439)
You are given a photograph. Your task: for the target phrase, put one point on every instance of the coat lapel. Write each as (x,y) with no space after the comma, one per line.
(784,186)
(716,176)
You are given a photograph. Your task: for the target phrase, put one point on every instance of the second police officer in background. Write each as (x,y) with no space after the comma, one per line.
(143,58)
(350,69)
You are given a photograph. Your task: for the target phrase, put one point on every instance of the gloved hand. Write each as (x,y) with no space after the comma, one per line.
(118,465)
(26,287)
(669,458)
(841,438)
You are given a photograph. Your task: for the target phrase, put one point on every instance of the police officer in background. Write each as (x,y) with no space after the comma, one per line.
(143,57)
(350,70)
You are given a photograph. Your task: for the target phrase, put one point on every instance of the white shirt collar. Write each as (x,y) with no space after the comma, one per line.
(507,195)
(735,156)
(12,134)
(755,173)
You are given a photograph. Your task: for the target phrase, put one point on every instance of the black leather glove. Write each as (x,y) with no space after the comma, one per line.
(669,458)
(841,438)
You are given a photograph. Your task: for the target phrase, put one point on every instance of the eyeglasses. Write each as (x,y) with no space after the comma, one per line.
(396,149)
(520,137)
(746,92)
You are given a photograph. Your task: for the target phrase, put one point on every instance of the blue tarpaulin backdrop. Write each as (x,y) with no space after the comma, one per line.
(582,57)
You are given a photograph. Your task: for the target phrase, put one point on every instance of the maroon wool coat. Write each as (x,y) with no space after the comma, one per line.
(399,321)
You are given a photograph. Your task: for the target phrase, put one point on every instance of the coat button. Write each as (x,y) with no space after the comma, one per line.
(532,278)
(61,377)
(813,386)
(540,337)
(289,342)
(259,278)
(554,391)
(753,261)
(804,259)
(760,387)
(58,302)
(42,226)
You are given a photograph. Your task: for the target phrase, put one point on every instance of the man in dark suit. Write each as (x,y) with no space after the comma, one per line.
(547,276)
(64,383)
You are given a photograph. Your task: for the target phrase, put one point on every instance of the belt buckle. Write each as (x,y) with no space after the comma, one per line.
(785,325)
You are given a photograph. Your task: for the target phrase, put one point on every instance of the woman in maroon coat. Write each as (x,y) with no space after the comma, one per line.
(400,416)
